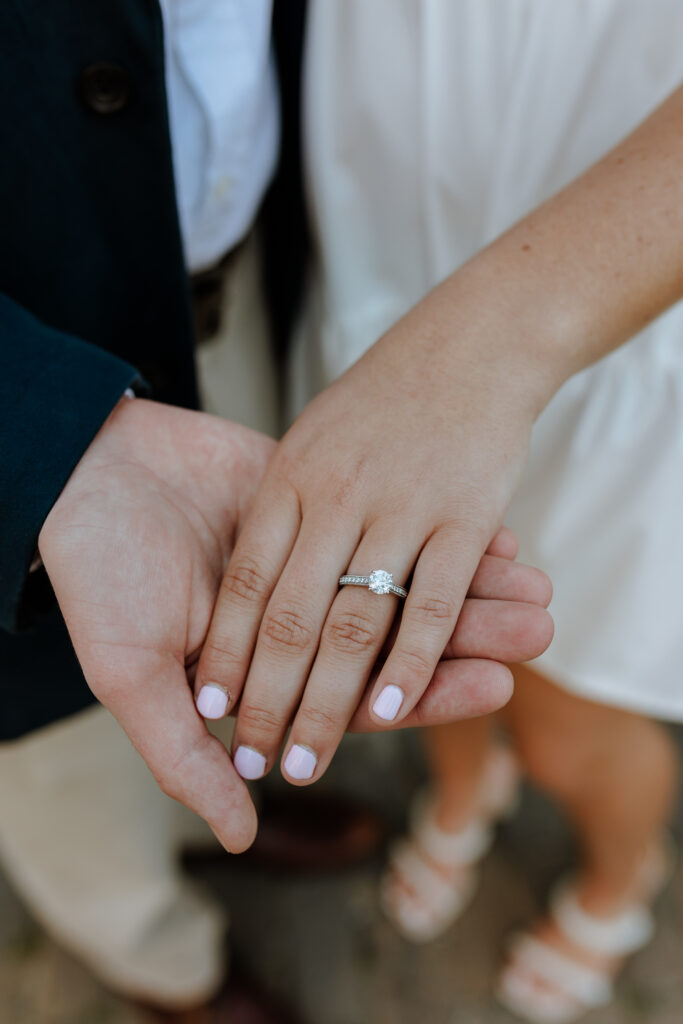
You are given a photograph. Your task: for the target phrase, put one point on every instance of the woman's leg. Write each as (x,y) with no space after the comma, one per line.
(613,772)
(432,872)
(457,755)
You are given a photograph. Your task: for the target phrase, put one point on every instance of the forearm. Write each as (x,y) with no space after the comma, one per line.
(582,273)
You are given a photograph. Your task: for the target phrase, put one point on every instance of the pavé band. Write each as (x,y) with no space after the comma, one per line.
(379,582)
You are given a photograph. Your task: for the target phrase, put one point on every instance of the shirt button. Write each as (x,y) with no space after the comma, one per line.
(105,88)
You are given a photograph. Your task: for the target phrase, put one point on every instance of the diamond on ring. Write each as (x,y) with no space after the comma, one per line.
(379,582)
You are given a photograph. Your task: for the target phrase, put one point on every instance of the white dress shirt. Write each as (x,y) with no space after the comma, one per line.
(224,118)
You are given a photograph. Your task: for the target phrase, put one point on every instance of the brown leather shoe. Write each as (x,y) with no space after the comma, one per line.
(240,1001)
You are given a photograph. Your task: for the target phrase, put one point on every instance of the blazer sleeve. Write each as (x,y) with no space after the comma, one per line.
(55,393)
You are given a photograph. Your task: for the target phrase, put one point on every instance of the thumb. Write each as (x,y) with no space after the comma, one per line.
(153,704)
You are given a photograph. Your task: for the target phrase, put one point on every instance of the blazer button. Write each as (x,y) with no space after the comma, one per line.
(105,88)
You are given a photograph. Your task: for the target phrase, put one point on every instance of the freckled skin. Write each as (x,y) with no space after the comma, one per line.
(410,459)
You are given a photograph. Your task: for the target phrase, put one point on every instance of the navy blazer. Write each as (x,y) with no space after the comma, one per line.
(94,294)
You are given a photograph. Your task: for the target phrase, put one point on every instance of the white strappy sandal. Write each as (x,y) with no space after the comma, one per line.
(419,899)
(572,988)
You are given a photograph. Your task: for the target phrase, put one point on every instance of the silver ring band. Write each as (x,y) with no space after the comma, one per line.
(379,582)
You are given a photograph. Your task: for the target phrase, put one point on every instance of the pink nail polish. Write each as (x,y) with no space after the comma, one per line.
(300,762)
(212,701)
(388,704)
(249,763)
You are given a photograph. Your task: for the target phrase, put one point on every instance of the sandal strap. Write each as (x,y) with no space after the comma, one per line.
(439,895)
(452,849)
(583,984)
(499,791)
(522,996)
(616,936)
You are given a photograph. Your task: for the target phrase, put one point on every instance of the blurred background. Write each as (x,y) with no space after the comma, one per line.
(318,940)
(321,942)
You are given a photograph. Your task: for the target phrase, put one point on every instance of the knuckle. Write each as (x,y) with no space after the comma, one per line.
(286,630)
(247,581)
(256,719)
(319,719)
(345,483)
(220,649)
(465,515)
(434,608)
(351,633)
(414,663)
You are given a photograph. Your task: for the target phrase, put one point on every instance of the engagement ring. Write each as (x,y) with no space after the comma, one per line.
(379,582)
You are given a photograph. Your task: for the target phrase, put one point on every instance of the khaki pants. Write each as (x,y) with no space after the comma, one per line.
(86,837)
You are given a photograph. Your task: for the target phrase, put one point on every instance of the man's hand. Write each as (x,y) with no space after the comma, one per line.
(135,548)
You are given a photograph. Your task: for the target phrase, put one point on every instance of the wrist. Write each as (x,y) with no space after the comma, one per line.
(521,317)
(500,335)
(108,442)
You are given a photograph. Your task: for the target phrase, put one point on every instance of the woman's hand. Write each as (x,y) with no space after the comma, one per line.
(503,620)
(407,463)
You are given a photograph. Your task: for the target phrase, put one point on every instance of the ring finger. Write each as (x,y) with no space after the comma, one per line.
(352,637)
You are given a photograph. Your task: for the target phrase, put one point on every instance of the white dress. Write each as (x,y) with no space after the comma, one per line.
(430,127)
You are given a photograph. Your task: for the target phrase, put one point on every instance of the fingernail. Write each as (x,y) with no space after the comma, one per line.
(388,703)
(212,701)
(300,762)
(249,763)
